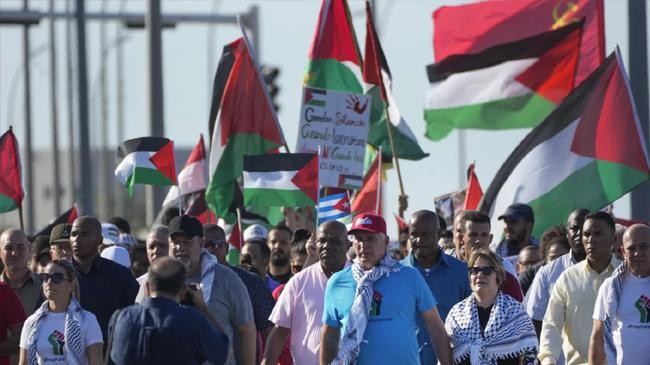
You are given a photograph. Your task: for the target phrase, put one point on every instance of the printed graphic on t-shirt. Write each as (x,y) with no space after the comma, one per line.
(375,307)
(57,340)
(643,306)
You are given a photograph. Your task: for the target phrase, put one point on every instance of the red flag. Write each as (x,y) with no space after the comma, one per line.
(374,56)
(368,199)
(11,189)
(471,28)
(402,225)
(473,192)
(235,238)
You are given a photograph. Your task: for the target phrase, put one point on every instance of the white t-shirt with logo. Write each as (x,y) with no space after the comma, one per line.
(632,323)
(50,344)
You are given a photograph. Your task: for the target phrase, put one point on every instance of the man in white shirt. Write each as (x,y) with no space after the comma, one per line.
(621,329)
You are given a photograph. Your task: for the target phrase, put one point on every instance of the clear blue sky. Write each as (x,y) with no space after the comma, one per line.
(286,28)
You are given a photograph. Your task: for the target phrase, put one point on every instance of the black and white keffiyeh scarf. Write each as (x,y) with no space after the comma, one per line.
(509,331)
(74,348)
(611,307)
(358,317)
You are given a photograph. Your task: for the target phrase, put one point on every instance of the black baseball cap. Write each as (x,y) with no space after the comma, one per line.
(519,210)
(186,225)
(60,233)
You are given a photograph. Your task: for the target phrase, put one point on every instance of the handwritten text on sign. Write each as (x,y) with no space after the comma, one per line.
(338,123)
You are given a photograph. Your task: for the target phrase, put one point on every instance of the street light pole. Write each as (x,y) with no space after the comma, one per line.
(70,96)
(55,119)
(85,173)
(156,115)
(28,128)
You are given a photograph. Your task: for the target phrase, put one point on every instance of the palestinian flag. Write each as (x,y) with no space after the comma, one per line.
(244,124)
(512,85)
(377,74)
(473,191)
(368,199)
(69,216)
(11,189)
(472,28)
(281,180)
(192,181)
(334,58)
(146,160)
(587,153)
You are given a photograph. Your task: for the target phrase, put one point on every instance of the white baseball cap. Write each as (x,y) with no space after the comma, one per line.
(255,232)
(117,254)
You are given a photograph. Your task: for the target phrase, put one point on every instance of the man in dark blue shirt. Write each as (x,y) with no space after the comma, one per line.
(161,331)
(446,276)
(104,286)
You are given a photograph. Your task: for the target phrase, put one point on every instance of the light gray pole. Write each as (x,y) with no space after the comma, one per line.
(56,176)
(156,121)
(85,173)
(72,170)
(104,200)
(27,162)
(120,196)
(638,58)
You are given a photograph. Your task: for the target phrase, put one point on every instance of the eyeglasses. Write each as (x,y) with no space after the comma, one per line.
(56,277)
(216,243)
(487,270)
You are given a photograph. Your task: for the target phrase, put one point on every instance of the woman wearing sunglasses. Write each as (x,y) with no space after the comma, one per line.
(490,327)
(60,332)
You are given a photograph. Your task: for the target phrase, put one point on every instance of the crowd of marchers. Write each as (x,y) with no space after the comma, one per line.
(91,293)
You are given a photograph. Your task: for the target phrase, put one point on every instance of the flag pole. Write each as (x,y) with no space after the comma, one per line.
(318,190)
(382,88)
(20,215)
(251,52)
(378,202)
(241,233)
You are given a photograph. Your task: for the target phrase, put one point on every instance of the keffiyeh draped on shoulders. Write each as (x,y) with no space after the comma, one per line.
(509,332)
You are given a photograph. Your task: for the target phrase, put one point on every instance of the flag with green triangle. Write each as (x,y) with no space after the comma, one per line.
(586,154)
(334,58)
(377,75)
(511,85)
(146,160)
(244,124)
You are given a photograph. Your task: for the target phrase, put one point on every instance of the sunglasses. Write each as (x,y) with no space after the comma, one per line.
(487,270)
(216,243)
(56,277)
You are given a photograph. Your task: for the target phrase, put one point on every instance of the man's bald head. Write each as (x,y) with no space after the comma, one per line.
(333,227)
(15,250)
(89,222)
(636,249)
(166,276)
(13,234)
(332,245)
(425,216)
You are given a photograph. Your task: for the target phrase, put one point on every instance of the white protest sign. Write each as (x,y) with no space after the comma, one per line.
(338,123)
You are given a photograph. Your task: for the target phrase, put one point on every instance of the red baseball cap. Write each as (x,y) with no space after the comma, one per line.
(368,222)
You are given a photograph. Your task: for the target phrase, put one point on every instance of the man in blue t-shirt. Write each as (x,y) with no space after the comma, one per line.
(363,326)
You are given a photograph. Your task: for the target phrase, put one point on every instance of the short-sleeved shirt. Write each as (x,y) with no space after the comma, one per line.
(229,303)
(50,343)
(29,291)
(398,298)
(105,288)
(449,284)
(631,325)
(300,309)
(12,314)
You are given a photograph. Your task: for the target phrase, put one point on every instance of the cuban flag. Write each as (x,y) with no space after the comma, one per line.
(334,207)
